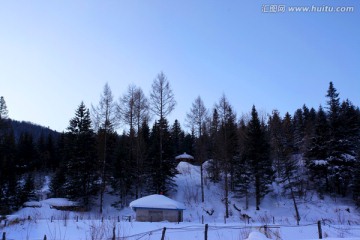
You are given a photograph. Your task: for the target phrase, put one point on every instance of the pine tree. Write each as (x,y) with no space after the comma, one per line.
(177,137)
(162,172)
(81,167)
(58,182)
(243,176)
(276,136)
(9,177)
(339,157)
(123,172)
(214,166)
(257,153)
(27,191)
(27,159)
(3,110)
(316,155)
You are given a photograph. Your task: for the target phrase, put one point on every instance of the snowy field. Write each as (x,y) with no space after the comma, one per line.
(339,218)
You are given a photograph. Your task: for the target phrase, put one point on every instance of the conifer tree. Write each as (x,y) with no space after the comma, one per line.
(177,137)
(257,153)
(81,167)
(243,176)
(316,154)
(340,158)
(3,110)
(9,177)
(162,173)
(27,191)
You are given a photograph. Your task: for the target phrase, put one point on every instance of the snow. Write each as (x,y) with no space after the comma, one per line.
(184,156)
(33,204)
(156,201)
(339,217)
(320,162)
(256,236)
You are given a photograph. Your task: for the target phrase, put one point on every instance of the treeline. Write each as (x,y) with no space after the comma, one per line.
(309,150)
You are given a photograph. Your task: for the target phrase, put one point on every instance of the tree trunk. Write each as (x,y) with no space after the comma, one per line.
(295,204)
(226,194)
(103,183)
(257,191)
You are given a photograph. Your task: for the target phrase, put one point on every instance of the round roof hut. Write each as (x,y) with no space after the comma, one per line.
(184,158)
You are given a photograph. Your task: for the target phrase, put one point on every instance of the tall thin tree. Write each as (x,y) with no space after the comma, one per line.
(196,119)
(162,103)
(105,121)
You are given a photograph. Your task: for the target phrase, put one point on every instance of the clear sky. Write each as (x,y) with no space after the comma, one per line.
(55,54)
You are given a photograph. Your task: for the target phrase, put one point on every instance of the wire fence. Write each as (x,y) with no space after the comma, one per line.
(272,231)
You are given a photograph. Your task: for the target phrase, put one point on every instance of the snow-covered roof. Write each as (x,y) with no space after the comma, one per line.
(184,156)
(156,201)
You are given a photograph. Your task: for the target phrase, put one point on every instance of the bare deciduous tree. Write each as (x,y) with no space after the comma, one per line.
(162,103)
(133,109)
(105,121)
(224,110)
(162,97)
(196,119)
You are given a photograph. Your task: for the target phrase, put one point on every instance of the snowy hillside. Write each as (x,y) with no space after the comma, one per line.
(339,217)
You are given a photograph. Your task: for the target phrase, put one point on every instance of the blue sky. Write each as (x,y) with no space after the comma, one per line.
(55,54)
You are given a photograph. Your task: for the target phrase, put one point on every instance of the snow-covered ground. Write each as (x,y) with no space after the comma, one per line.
(339,217)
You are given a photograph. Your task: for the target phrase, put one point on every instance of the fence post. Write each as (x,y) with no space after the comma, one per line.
(163,233)
(266,231)
(118,218)
(319,229)
(206,231)
(113,238)
(45,237)
(4,236)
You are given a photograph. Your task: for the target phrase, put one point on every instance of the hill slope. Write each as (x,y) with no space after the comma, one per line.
(339,217)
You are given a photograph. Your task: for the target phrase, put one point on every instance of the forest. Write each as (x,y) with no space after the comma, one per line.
(309,150)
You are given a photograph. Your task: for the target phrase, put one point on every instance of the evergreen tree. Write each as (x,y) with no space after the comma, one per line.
(214,166)
(58,183)
(162,172)
(27,159)
(3,110)
(123,172)
(9,180)
(316,155)
(27,191)
(291,174)
(243,176)
(257,153)
(177,137)
(299,130)
(81,167)
(340,156)
(276,136)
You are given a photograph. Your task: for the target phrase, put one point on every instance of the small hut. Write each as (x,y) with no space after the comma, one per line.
(157,208)
(184,158)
